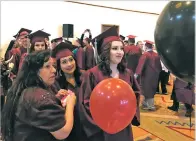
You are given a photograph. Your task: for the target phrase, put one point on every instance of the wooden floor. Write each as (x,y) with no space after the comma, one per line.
(163,124)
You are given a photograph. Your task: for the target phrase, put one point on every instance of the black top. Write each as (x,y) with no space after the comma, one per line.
(39,112)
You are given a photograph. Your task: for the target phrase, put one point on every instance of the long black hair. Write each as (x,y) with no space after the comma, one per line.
(62,78)
(104,65)
(27,77)
(10,46)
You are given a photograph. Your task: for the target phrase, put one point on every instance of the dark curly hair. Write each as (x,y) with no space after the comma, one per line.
(104,65)
(27,77)
(62,78)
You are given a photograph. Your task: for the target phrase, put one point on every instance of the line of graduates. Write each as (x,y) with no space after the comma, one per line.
(147,66)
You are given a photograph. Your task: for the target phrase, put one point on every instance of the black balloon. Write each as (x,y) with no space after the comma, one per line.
(175,39)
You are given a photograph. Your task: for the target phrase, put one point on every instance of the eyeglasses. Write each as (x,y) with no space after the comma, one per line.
(22,38)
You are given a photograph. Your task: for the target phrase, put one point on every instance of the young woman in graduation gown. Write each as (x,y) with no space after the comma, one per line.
(37,40)
(183,92)
(68,79)
(112,65)
(32,111)
(90,61)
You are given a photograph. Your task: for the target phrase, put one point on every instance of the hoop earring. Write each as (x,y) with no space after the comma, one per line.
(60,73)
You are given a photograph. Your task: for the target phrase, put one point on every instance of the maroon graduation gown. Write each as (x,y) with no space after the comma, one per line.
(133,54)
(183,94)
(22,60)
(77,134)
(91,78)
(148,68)
(89,58)
(38,113)
(80,58)
(17,53)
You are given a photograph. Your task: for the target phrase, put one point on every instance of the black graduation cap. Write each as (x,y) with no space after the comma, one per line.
(38,36)
(66,41)
(122,37)
(107,36)
(63,49)
(21,31)
(57,39)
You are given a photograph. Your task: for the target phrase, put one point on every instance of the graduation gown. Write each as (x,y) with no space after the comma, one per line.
(80,58)
(17,53)
(22,60)
(148,69)
(133,54)
(184,94)
(89,57)
(38,113)
(91,78)
(77,134)
(4,79)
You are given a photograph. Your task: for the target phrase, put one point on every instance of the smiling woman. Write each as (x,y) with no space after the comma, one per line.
(111,51)
(68,80)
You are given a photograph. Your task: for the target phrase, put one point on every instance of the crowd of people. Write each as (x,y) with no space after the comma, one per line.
(37,74)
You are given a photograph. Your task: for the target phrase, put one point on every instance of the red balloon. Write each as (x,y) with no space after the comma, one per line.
(113,105)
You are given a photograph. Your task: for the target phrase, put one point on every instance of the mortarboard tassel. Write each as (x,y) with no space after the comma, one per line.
(96,53)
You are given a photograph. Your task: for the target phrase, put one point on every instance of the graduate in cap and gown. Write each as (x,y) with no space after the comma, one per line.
(38,43)
(22,39)
(140,45)
(69,79)
(183,92)
(133,53)
(112,65)
(148,69)
(22,43)
(90,61)
(55,42)
(79,54)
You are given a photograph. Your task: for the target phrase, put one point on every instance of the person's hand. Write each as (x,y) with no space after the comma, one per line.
(87,30)
(61,93)
(70,99)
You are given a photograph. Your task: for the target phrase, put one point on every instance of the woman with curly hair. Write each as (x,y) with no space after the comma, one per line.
(32,111)
(112,65)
